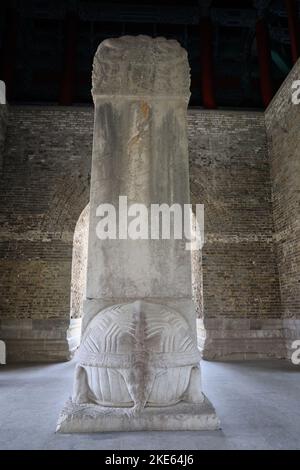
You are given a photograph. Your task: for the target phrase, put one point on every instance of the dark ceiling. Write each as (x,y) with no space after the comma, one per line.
(239,51)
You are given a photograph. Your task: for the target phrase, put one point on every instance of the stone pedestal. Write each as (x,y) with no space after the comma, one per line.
(138,363)
(181,417)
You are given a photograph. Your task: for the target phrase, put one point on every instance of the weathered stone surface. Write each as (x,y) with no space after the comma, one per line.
(141,66)
(139,355)
(140,151)
(292,334)
(239,339)
(90,418)
(2,93)
(42,340)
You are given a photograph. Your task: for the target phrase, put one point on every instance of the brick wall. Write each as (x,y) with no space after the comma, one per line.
(283,126)
(230,176)
(45,187)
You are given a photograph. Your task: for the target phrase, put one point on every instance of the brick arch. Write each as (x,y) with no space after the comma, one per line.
(68,200)
(68,206)
(45,187)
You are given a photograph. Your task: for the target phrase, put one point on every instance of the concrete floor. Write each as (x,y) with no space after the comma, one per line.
(258,403)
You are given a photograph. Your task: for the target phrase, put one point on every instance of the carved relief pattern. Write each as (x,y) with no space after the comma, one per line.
(133,355)
(141,66)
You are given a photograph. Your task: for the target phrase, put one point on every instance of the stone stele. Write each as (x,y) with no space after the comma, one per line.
(138,362)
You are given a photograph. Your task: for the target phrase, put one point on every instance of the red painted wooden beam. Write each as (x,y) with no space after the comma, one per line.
(264,60)
(293,20)
(69,71)
(207,68)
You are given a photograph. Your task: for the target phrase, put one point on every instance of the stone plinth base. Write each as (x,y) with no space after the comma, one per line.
(222,339)
(181,417)
(40,340)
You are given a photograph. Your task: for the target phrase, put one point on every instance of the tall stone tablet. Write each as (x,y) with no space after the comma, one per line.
(138,363)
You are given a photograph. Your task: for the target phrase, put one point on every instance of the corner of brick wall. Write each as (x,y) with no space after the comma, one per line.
(283,131)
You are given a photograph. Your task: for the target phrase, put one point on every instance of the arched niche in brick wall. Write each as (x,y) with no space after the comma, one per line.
(78,278)
(64,225)
(79,264)
(68,199)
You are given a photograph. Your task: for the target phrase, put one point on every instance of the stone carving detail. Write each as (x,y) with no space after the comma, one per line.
(141,66)
(138,363)
(136,355)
